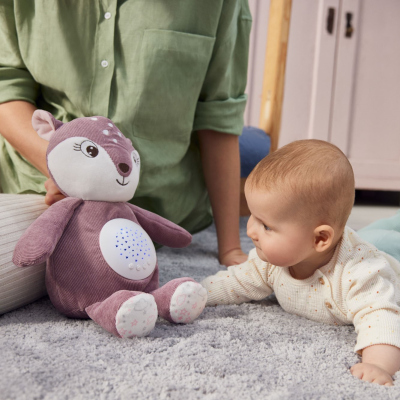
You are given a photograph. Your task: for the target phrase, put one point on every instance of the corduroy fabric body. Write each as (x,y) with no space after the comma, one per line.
(161,230)
(48,227)
(77,274)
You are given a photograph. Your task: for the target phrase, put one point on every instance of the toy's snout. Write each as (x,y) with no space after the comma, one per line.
(124,167)
(121,158)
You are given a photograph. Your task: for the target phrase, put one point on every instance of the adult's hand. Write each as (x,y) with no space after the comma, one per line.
(233,257)
(16,128)
(53,193)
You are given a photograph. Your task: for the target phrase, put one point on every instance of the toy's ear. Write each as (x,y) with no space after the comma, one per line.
(45,124)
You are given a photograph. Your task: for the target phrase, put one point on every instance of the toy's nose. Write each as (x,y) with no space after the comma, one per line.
(123,167)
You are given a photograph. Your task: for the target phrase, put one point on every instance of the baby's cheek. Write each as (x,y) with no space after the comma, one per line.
(262,255)
(278,255)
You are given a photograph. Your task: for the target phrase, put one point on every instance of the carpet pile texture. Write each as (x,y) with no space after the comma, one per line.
(251,351)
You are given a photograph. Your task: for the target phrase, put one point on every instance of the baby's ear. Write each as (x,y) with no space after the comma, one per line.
(45,124)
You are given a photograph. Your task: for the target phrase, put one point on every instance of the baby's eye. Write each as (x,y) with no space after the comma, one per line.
(267,228)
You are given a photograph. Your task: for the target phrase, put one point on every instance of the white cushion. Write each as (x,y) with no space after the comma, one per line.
(18,286)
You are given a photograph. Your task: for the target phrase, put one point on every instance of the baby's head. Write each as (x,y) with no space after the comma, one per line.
(303,193)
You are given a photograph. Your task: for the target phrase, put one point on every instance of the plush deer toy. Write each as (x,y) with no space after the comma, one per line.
(101,262)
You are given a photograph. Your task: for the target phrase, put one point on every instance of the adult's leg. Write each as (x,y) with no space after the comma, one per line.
(18,286)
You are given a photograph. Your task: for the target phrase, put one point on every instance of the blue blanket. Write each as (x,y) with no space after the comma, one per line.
(384,234)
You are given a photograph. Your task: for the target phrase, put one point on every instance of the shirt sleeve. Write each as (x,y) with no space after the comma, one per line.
(372,300)
(222,99)
(239,283)
(16,83)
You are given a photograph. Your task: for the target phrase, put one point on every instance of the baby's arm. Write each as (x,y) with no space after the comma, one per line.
(372,300)
(379,363)
(239,283)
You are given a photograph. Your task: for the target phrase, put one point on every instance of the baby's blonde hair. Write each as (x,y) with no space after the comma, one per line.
(314,175)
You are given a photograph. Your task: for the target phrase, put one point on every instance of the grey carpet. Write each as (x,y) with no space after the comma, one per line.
(252,351)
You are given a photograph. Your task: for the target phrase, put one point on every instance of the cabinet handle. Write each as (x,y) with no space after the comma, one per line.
(349,27)
(330,20)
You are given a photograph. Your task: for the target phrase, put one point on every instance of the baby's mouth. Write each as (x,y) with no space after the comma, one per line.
(122,184)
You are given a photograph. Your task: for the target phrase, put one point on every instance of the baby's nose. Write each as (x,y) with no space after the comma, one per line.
(252,236)
(251,231)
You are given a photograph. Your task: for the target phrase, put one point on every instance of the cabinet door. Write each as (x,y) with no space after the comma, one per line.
(346,88)
(365,119)
(310,63)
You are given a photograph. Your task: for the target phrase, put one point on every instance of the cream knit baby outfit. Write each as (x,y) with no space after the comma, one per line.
(360,285)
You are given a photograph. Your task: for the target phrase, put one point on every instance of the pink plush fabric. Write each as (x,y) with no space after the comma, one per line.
(77,274)
(163,296)
(45,124)
(79,280)
(40,239)
(103,313)
(161,230)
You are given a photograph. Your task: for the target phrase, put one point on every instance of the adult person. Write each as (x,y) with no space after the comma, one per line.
(171,75)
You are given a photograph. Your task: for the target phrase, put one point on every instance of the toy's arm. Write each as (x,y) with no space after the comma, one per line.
(39,240)
(160,229)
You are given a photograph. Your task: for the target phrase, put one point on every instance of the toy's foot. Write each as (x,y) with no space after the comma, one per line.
(136,316)
(187,302)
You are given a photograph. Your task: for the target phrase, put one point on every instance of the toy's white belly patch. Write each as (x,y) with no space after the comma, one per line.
(127,249)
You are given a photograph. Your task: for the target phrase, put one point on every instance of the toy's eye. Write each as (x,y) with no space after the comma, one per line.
(89,149)
(136,157)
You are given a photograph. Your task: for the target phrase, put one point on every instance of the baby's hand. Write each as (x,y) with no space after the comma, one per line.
(371,373)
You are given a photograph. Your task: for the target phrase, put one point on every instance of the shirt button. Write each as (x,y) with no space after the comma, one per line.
(329,305)
(107,15)
(104,63)
(321,281)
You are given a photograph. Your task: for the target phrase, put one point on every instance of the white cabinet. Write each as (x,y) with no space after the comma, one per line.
(342,83)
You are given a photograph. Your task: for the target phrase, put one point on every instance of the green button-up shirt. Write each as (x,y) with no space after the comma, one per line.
(160,69)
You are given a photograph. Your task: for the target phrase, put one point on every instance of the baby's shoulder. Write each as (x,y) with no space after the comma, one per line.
(262,266)
(358,257)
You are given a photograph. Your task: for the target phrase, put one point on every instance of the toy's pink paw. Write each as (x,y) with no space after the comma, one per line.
(181,299)
(136,316)
(188,302)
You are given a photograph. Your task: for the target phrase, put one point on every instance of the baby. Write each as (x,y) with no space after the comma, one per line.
(300,198)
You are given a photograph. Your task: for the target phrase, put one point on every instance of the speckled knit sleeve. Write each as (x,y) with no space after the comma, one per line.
(372,290)
(239,283)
